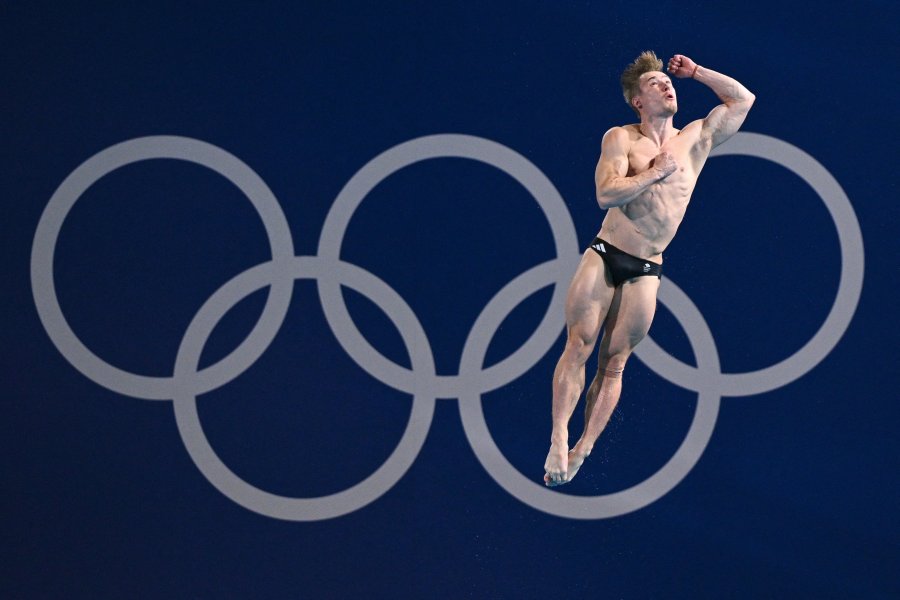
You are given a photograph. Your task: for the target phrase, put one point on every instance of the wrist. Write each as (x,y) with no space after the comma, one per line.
(694,72)
(658,173)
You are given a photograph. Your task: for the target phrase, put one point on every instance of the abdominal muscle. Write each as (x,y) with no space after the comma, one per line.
(645,226)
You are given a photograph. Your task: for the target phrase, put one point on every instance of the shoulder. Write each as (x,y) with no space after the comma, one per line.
(621,132)
(614,151)
(619,137)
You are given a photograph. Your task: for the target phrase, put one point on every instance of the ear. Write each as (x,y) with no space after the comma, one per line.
(636,102)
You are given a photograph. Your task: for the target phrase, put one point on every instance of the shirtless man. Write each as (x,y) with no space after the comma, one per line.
(645,177)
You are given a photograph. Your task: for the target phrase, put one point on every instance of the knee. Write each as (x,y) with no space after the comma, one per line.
(613,365)
(579,347)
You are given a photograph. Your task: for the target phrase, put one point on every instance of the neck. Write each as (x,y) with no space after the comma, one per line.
(658,129)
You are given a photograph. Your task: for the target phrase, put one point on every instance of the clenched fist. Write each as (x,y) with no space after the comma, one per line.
(681,66)
(665,163)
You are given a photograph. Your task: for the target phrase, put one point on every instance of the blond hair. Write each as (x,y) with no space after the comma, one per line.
(631,76)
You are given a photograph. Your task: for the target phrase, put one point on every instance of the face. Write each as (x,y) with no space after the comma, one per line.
(657,97)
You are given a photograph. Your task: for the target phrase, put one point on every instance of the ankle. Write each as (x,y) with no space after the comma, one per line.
(559,437)
(582,449)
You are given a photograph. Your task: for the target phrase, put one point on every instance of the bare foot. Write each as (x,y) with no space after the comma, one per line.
(574,461)
(556,465)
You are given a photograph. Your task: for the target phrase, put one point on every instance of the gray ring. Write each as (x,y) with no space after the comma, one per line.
(205,457)
(618,503)
(845,303)
(71,189)
(403,155)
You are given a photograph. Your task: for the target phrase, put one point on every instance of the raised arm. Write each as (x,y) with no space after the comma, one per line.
(613,187)
(724,120)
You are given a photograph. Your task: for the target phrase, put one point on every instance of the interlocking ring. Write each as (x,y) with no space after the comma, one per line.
(70,190)
(421,381)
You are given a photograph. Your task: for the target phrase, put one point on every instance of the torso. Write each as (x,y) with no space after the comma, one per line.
(645,226)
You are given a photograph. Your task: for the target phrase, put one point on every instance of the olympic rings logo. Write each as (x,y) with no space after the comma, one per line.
(421,381)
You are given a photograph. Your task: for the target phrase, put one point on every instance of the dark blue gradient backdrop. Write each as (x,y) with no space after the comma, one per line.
(796,494)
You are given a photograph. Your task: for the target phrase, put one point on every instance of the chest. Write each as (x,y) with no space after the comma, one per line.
(643,152)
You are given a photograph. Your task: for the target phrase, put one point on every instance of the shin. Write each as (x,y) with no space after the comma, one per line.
(603,396)
(568,383)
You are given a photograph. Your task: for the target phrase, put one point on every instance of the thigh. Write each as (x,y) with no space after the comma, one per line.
(630,316)
(589,298)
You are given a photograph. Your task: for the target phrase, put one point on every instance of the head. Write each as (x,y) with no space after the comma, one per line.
(647,88)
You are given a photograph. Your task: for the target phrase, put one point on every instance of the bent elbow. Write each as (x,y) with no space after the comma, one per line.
(604,200)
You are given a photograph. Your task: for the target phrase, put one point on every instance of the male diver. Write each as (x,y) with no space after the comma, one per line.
(644,178)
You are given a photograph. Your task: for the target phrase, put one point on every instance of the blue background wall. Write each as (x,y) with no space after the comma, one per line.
(796,494)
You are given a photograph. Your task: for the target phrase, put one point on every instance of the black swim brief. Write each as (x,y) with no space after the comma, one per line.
(623,266)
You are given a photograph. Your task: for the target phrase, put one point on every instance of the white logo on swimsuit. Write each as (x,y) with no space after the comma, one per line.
(599,247)
(646,267)
(421,381)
